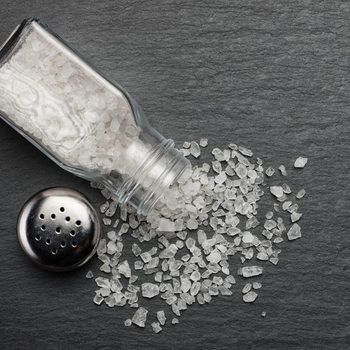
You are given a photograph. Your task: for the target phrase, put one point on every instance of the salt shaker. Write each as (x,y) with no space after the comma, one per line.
(87,124)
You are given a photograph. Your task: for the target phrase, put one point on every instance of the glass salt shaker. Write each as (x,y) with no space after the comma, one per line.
(88,125)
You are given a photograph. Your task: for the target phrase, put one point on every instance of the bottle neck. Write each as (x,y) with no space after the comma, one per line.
(161,169)
(151,165)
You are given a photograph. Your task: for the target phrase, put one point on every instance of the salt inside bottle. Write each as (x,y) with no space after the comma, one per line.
(81,120)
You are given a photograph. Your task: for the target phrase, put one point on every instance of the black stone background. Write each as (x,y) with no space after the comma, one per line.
(272,75)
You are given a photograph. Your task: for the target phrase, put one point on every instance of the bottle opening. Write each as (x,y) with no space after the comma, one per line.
(159,171)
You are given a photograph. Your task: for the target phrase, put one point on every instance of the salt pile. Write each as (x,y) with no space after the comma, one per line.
(208,216)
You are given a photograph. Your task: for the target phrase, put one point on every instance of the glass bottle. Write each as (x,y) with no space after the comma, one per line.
(81,120)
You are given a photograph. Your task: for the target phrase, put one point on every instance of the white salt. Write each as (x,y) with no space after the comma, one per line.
(277,191)
(149,290)
(140,317)
(250,271)
(300,162)
(186,265)
(203,142)
(250,297)
(294,232)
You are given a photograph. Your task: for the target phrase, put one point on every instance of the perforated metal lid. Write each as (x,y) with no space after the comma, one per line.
(58,229)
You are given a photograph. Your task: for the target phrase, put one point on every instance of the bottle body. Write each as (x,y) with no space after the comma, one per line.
(86,124)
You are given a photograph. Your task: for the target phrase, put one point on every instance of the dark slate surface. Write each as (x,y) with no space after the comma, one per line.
(273,75)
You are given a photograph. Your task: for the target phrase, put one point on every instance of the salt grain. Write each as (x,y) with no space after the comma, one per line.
(192,224)
(140,317)
(127,323)
(277,191)
(166,225)
(250,297)
(111,248)
(98,299)
(300,194)
(295,216)
(283,170)
(269,171)
(161,317)
(124,269)
(294,232)
(245,151)
(149,290)
(300,162)
(203,142)
(194,149)
(257,285)
(156,327)
(251,271)
(247,288)
(136,249)
(106,221)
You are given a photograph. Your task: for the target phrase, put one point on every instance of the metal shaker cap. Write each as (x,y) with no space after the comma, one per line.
(58,229)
